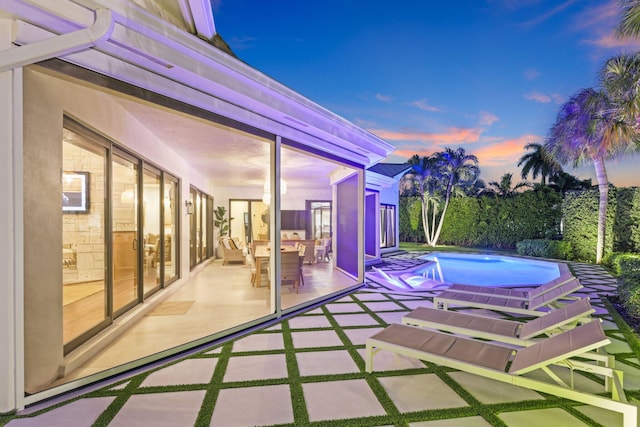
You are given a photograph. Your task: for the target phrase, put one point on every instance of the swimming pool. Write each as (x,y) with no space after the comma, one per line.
(489,270)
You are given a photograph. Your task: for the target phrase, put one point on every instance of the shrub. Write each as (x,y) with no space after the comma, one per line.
(580,217)
(629,282)
(544,248)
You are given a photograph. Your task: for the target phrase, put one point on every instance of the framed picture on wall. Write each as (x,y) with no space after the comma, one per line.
(75,192)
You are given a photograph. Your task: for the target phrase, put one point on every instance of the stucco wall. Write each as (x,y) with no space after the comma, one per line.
(46,99)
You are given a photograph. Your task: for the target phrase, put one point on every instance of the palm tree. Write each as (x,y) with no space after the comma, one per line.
(435,179)
(591,127)
(629,26)
(564,182)
(422,182)
(537,162)
(505,186)
(457,169)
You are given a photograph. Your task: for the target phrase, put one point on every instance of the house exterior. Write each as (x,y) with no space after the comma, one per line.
(382,232)
(124,125)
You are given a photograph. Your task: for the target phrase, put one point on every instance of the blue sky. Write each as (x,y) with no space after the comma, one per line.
(485,75)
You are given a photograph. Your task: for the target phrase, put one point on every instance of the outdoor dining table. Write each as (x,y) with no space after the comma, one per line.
(263,252)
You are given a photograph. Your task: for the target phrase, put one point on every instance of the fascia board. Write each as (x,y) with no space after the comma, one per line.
(137,76)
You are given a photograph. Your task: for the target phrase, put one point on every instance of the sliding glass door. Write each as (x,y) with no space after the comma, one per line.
(152,245)
(115,219)
(84,292)
(125,244)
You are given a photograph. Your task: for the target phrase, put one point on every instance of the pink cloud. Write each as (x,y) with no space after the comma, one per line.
(537,96)
(504,153)
(610,41)
(424,105)
(451,136)
(603,16)
(487,118)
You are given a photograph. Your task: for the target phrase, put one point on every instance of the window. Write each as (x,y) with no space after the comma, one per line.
(387,226)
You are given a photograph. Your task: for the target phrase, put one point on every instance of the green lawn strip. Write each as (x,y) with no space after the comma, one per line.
(300,413)
(629,335)
(123,396)
(213,388)
(379,391)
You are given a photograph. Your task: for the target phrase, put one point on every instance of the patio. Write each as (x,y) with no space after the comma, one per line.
(309,370)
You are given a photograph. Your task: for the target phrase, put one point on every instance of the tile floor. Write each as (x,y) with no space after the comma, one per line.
(309,370)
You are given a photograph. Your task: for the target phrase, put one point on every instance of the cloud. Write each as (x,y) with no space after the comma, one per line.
(424,105)
(487,118)
(452,135)
(603,16)
(600,22)
(537,96)
(531,73)
(504,152)
(384,98)
(610,41)
(548,14)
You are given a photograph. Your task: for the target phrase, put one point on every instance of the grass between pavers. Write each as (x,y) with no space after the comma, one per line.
(489,412)
(629,334)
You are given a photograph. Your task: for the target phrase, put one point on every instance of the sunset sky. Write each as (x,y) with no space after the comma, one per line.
(485,75)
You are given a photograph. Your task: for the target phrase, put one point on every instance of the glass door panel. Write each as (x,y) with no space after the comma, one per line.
(193,238)
(169,261)
(124,195)
(84,293)
(151,206)
(198,215)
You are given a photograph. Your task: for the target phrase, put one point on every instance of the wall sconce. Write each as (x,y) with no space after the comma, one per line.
(188,204)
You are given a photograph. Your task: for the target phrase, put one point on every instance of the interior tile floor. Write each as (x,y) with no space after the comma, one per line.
(309,370)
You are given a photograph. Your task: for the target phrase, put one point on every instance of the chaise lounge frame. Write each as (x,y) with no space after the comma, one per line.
(530,307)
(509,366)
(502,330)
(508,292)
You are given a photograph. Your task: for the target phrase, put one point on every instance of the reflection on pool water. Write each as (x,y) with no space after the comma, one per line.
(487,270)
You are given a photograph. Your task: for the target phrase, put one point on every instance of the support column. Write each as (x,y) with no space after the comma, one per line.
(9,278)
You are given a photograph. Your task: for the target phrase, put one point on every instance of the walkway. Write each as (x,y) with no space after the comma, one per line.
(309,370)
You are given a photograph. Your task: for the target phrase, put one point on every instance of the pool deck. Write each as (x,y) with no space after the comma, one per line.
(309,370)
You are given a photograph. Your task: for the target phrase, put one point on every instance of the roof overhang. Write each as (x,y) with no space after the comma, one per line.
(150,53)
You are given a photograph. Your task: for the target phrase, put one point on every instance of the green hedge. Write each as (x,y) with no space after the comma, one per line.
(501,222)
(626,225)
(580,219)
(628,266)
(556,249)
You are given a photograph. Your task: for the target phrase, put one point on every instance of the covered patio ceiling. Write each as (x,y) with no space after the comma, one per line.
(216,151)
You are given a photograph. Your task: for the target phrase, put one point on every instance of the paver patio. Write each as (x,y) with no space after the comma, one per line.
(309,370)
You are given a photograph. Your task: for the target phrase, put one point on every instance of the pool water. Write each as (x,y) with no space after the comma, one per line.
(487,270)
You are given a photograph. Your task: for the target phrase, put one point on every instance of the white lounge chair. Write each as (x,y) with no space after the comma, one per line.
(508,365)
(507,331)
(565,276)
(532,307)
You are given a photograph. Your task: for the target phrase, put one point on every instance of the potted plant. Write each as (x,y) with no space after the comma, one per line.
(221,221)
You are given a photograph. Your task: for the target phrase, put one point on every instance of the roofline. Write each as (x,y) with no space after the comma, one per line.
(154,46)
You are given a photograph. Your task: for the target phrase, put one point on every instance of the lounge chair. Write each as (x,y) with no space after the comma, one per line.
(531,307)
(506,331)
(565,276)
(508,365)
